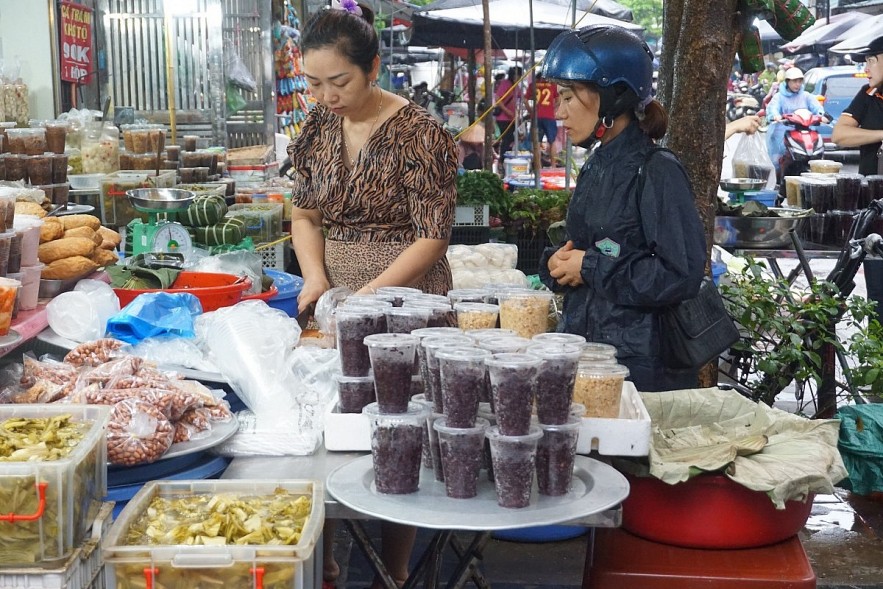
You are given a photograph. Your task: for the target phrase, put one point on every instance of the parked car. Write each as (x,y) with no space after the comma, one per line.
(836,87)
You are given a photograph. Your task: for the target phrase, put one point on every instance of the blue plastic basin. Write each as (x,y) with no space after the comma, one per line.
(289,287)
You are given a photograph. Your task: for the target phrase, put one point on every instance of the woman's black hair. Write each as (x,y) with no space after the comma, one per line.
(515,73)
(352,35)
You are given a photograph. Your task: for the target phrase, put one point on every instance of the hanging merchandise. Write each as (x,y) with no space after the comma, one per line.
(789,18)
(293,100)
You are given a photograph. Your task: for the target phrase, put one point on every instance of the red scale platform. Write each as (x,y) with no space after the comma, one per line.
(621,560)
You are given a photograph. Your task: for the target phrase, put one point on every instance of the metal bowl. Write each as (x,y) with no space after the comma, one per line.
(160,199)
(741,184)
(758,232)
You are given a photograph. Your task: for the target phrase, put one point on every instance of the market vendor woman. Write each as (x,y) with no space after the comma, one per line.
(629,255)
(378,174)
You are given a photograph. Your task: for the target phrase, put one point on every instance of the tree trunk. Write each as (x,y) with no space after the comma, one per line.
(700,44)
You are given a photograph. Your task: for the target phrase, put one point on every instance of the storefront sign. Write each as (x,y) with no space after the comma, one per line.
(76,43)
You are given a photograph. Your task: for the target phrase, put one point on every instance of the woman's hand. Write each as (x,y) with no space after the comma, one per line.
(566,265)
(310,293)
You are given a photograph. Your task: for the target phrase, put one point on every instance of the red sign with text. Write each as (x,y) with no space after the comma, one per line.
(76,43)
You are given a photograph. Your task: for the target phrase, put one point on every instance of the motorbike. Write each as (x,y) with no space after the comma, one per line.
(802,142)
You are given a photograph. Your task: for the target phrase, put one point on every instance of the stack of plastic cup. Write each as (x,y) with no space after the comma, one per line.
(555,380)
(467,295)
(423,367)
(392,361)
(396,447)
(482,334)
(461,450)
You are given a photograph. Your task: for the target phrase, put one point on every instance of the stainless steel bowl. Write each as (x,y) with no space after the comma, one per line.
(741,184)
(160,199)
(758,232)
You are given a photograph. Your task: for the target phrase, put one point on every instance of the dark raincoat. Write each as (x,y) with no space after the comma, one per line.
(642,254)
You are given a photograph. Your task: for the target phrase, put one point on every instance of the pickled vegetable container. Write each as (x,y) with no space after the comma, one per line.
(234,533)
(53,474)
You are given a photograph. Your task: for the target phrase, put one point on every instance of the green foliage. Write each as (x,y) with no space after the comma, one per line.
(533,210)
(476,187)
(770,312)
(648,14)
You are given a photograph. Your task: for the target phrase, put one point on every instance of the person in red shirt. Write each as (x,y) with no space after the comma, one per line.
(547,126)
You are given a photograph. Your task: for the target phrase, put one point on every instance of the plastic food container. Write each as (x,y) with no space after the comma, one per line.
(599,388)
(213,290)
(72,488)
(825,166)
(525,312)
(263,221)
(116,210)
(232,565)
(26,141)
(85,181)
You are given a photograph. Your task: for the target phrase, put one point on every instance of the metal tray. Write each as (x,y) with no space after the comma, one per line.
(51,288)
(596,487)
(755,232)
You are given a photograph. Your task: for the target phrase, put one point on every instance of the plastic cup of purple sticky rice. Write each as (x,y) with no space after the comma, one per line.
(514,460)
(555,379)
(462,379)
(392,360)
(396,447)
(555,455)
(461,450)
(353,324)
(354,393)
(513,386)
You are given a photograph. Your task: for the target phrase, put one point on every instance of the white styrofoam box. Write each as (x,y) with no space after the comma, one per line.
(346,432)
(472,215)
(84,569)
(627,435)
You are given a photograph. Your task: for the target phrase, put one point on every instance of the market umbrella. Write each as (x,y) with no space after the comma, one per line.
(822,33)
(463,26)
(860,35)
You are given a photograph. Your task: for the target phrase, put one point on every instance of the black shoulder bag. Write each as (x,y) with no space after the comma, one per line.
(695,331)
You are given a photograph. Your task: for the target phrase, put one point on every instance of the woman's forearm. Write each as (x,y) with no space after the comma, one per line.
(309,246)
(412,264)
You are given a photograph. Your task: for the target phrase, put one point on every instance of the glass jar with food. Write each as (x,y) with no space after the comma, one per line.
(100,149)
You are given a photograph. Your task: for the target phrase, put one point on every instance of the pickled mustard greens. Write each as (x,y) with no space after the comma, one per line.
(39,438)
(221,519)
(24,439)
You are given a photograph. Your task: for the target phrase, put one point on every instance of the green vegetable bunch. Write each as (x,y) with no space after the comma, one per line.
(479,187)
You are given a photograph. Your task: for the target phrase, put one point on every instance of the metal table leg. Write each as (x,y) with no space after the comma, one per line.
(467,568)
(360,536)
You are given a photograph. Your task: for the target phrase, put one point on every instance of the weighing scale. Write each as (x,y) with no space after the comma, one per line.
(737,187)
(159,235)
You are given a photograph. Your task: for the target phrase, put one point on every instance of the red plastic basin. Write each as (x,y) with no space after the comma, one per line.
(213,290)
(262,296)
(708,511)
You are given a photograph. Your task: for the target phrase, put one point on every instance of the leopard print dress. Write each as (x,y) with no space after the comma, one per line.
(402,187)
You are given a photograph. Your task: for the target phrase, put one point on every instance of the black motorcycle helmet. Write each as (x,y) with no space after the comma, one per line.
(618,63)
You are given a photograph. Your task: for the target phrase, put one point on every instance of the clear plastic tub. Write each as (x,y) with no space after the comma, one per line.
(353,324)
(480,335)
(556,451)
(231,565)
(392,362)
(599,388)
(555,380)
(560,338)
(354,392)
(513,459)
(72,486)
(525,312)
(26,141)
(472,316)
(513,386)
(504,344)
(398,293)
(429,368)
(467,295)
(263,221)
(462,374)
(406,319)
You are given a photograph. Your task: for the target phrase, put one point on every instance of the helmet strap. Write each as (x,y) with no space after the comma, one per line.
(601,127)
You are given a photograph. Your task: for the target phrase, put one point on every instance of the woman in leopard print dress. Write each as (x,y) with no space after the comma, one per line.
(375,174)
(375,191)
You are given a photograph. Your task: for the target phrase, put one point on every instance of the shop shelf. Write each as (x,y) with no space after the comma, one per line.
(255,566)
(72,487)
